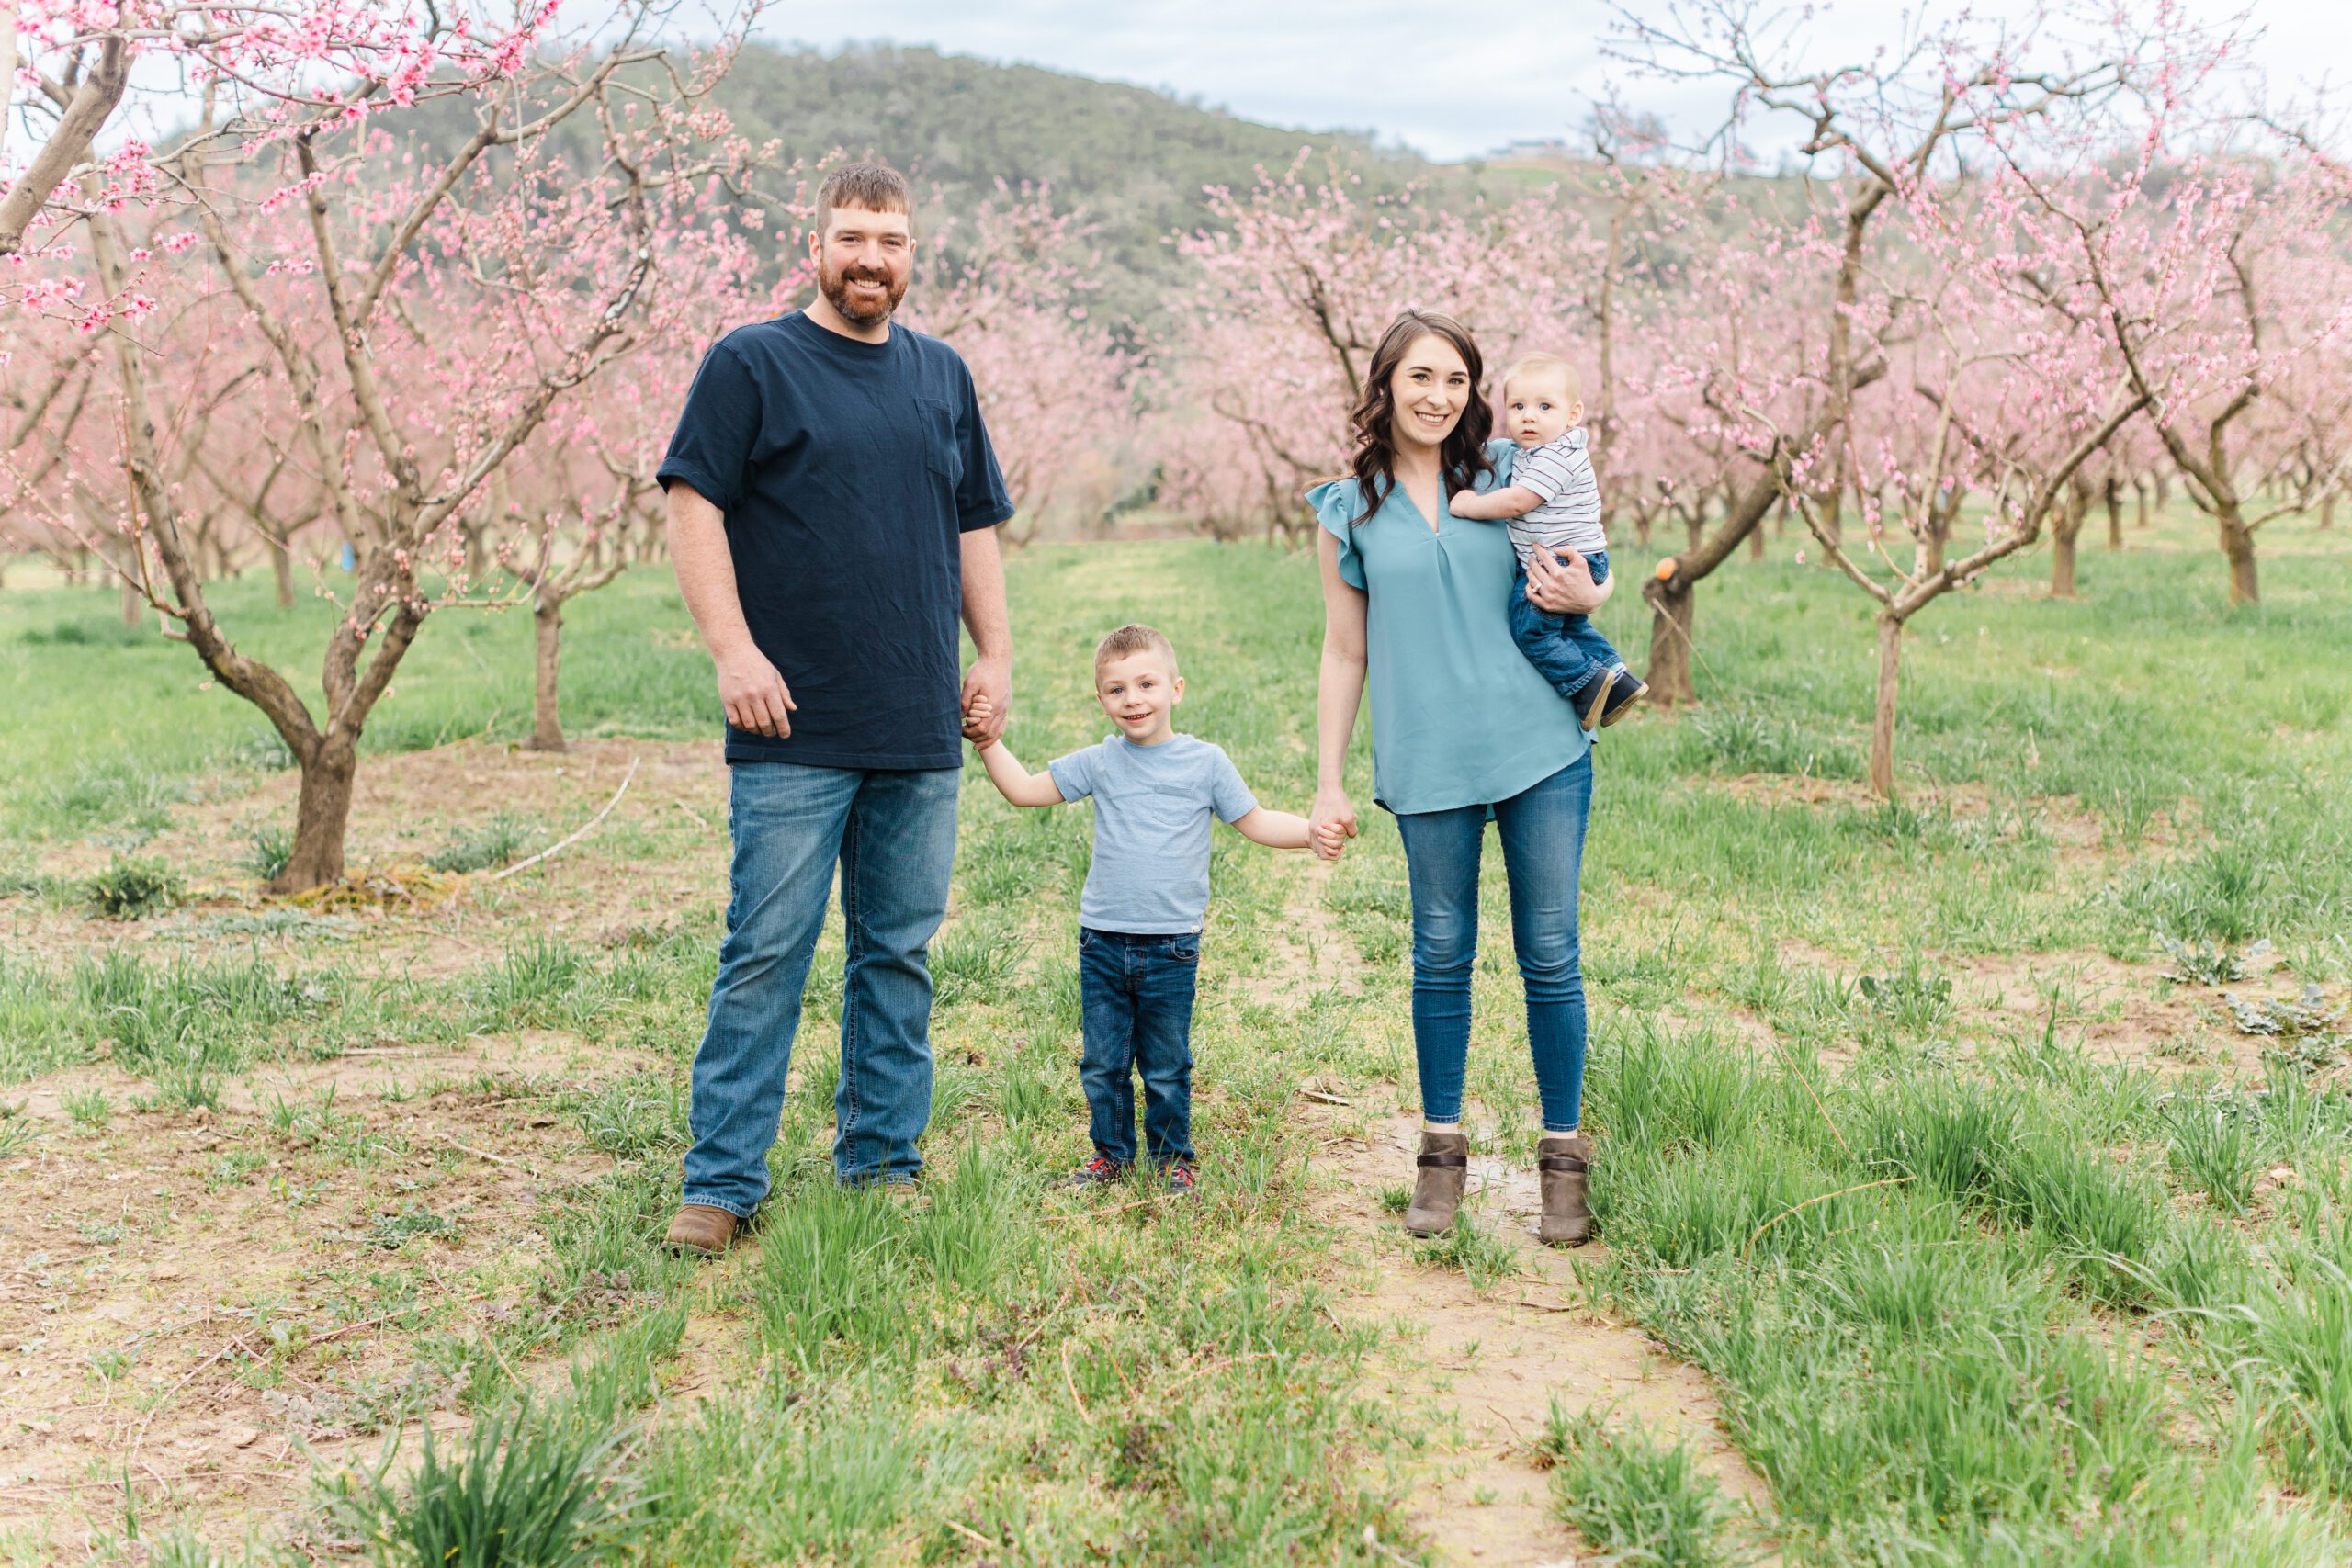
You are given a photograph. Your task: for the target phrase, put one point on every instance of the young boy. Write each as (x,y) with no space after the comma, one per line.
(1554,504)
(1146,892)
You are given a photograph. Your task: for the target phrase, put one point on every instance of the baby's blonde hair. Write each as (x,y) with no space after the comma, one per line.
(1528,363)
(1132,639)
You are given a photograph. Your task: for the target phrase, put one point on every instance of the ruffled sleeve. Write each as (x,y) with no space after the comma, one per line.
(1338,503)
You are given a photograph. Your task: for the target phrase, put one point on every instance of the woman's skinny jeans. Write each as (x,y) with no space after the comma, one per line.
(1543,835)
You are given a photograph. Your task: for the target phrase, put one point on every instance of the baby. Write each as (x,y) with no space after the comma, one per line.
(1147,893)
(1554,504)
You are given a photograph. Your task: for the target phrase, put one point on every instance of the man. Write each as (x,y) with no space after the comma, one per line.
(834,498)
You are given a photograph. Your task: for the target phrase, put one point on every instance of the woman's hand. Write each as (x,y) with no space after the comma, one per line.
(1331,823)
(1567,590)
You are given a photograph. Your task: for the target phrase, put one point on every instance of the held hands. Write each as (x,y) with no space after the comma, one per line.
(755,696)
(986,703)
(1330,825)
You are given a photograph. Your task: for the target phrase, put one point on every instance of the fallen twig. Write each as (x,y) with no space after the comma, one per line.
(969,1534)
(188,1377)
(1087,1214)
(1070,1382)
(574,836)
(1319,1098)
(1218,1365)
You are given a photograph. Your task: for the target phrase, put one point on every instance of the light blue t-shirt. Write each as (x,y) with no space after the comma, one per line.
(1152,804)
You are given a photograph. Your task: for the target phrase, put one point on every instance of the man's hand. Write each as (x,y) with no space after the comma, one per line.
(753,695)
(987,700)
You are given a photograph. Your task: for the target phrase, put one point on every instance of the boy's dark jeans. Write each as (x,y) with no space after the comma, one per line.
(1136,999)
(1567,650)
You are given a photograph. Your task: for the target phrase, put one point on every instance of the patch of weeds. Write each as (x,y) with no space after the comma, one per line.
(1484,1257)
(267,852)
(284,920)
(16,1129)
(540,983)
(504,838)
(132,887)
(2306,1017)
(644,1113)
(1734,739)
(2214,1145)
(973,958)
(2208,963)
(1396,1199)
(1638,1500)
(265,752)
(105,795)
(530,1487)
(1915,1001)
(392,1231)
(88,1108)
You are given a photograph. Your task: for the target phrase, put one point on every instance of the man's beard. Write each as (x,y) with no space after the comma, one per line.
(834,285)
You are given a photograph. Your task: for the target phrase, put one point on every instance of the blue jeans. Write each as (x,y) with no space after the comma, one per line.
(1136,996)
(1543,834)
(1567,650)
(893,836)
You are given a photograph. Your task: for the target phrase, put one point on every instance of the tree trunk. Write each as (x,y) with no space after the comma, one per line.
(2114,513)
(2327,510)
(1696,523)
(128,603)
(547,723)
(1756,544)
(2064,529)
(2062,560)
(2237,546)
(1673,606)
(2140,491)
(1890,668)
(1642,526)
(281,568)
(321,814)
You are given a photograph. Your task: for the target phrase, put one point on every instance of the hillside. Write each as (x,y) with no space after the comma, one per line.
(1137,161)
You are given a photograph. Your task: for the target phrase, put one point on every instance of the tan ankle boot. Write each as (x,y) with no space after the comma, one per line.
(1440,1170)
(1562,1160)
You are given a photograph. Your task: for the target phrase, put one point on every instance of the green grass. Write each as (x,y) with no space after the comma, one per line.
(1638,1500)
(1968,1290)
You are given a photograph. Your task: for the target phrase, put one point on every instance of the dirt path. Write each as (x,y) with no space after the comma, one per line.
(1479,1371)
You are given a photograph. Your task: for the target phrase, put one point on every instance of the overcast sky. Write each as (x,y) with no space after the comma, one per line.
(1449,80)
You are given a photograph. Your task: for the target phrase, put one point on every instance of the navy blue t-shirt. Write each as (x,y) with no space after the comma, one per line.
(847,470)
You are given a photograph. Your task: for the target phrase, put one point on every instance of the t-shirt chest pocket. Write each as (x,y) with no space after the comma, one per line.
(935,434)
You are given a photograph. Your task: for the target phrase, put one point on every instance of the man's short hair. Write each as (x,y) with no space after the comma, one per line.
(1528,364)
(1132,639)
(876,187)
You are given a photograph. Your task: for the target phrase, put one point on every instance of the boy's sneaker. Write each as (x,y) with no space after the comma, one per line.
(1098,1170)
(1595,696)
(1179,1176)
(1620,698)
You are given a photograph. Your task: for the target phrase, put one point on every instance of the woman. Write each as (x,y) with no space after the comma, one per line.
(1463,730)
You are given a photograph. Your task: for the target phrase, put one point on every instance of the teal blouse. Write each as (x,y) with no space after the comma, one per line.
(1459,717)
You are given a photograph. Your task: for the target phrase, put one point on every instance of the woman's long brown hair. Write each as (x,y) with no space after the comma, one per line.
(1462,457)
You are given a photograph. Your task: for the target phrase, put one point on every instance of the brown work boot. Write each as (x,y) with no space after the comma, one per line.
(1440,1170)
(1562,1160)
(699,1228)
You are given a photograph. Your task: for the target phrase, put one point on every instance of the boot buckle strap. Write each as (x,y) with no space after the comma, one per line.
(1571,1163)
(1448,1161)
